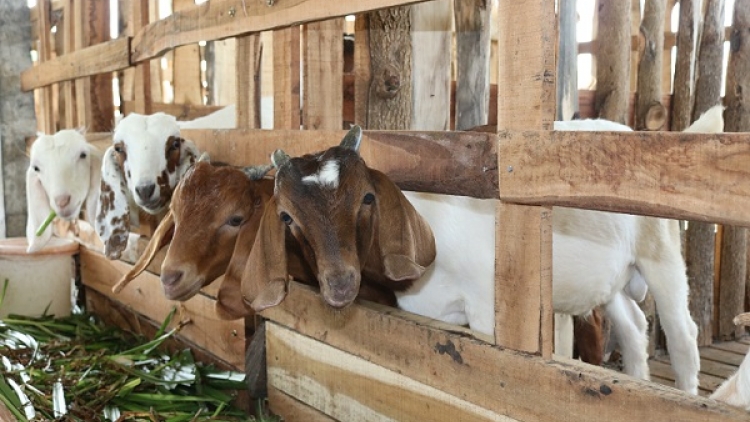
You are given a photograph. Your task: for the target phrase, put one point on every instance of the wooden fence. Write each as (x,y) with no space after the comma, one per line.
(375,363)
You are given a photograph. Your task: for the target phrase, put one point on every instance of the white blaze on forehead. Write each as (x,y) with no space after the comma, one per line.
(327,175)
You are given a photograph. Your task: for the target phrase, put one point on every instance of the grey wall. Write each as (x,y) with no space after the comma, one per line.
(17,120)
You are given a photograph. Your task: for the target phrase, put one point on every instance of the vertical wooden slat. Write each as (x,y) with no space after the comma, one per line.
(612,76)
(684,72)
(635,23)
(286,78)
(68,88)
(649,113)
(323,73)
(472,62)
(95,104)
(526,100)
(666,69)
(187,67)
(247,67)
(567,62)
(46,121)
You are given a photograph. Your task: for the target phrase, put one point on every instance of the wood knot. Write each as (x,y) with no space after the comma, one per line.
(388,83)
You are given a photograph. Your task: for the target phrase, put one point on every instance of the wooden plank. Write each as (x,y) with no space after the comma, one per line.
(68,88)
(226,339)
(349,388)
(722,356)
(187,66)
(46,118)
(499,380)
(732,346)
(694,176)
(706,382)
(323,72)
(708,366)
(181,111)
(431,65)
(458,163)
(472,97)
(105,57)
(248,81)
(227,18)
(286,79)
(291,409)
(99,112)
(524,279)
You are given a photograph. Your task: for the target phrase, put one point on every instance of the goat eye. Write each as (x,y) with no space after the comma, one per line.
(176,144)
(82,156)
(36,169)
(286,218)
(234,221)
(368,199)
(118,149)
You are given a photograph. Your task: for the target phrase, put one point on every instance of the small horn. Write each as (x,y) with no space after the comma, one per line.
(279,158)
(257,172)
(353,138)
(205,157)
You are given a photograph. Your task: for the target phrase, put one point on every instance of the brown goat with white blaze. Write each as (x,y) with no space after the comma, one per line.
(350,224)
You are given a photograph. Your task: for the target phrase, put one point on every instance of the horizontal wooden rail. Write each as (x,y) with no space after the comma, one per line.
(219,19)
(100,58)
(502,381)
(669,174)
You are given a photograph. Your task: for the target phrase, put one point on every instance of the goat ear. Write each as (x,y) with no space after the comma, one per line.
(205,157)
(265,276)
(162,236)
(188,157)
(95,181)
(113,210)
(279,158)
(256,172)
(37,203)
(352,139)
(406,242)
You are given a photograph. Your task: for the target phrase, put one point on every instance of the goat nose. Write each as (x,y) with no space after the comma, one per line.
(62,201)
(169,278)
(145,191)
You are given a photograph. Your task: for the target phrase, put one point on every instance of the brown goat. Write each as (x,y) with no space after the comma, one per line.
(348,224)
(213,207)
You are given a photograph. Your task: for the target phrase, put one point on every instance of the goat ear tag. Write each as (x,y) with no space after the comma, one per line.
(353,138)
(401,268)
(271,296)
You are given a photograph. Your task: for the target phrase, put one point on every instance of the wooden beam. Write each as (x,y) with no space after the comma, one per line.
(499,380)
(459,163)
(226,339)
(291,409)
(106,57)
(349,388)
(680,176)
(323,72)
(227,18)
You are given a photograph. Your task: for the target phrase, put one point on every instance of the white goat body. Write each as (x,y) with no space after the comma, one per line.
(736,389)
(595,254)
(64,173)
(224,118)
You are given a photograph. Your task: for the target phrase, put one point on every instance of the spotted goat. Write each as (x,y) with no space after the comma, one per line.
(147,159)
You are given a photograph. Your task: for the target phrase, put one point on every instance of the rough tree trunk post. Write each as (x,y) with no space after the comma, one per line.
(699,243)
(567,62)
(737,119)
(684,79)
(472,63)
(650,114)
(613,61)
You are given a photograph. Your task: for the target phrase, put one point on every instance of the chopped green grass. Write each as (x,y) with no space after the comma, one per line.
(77,369)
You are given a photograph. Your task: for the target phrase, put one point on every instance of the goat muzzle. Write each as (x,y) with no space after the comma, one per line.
(340,287)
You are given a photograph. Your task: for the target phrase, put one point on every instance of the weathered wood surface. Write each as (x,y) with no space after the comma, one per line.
(286,78)
(677,175)
(567,62)
(99,58)
(499,380)
(226,18)
(180,111)
(613,79)
(144,295)
(186,66)
(684,72)
(46,120)
(650,114)
(323,70)
(472,63)
(96,103)
(248,81)
(460,163)
(293,410)
(349,388)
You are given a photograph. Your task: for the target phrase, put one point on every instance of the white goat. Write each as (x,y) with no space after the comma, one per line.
(224,118)
(64,172)
(596,255)
(736,390)
(143,166)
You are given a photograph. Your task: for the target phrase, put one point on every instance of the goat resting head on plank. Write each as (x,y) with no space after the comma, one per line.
(350,225)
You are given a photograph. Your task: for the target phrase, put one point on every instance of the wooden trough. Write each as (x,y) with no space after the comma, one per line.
(376,363)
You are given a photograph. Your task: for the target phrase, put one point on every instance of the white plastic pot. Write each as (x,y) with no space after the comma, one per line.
(37,281)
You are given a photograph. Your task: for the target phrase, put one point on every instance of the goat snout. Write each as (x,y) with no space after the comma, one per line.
(340,287)
(62,201)
(170,278)
(145,191)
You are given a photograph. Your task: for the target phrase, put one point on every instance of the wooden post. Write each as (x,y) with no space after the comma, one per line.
(684,79)
(567,62)
(248,78)
(68,88)
(187,67)
(323,70)
(650,114)
(700,236)
(95,106)
(526,100)
(472,62)
(612,76)
(45,121)
(286,78)
(737,119)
